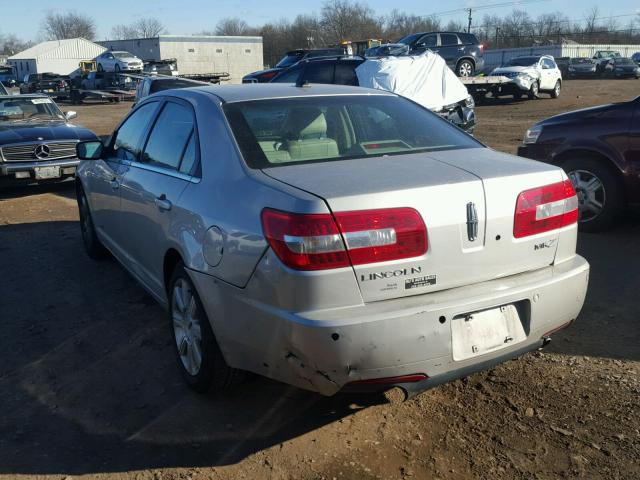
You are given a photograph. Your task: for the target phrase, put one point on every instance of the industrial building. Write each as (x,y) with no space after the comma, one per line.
(56,56)
(199,54)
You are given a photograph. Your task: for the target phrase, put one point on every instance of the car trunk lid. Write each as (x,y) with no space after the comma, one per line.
(452,191)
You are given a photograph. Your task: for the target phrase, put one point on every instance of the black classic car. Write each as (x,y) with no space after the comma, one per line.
(37,142)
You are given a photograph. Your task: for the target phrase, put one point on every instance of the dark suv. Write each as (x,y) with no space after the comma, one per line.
(291,58)
(462,51)
(342,71)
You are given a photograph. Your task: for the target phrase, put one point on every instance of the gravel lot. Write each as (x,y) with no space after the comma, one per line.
(88,384)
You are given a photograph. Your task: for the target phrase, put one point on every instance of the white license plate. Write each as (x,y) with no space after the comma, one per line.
(43,173)
(483,332)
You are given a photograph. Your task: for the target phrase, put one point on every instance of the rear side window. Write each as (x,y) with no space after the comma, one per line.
(448,39)
(170,136)
(468,38)
(321,72)
(346,74)
(128,140)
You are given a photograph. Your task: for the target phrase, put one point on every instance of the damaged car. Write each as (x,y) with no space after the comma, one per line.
(331,237)
(531,75)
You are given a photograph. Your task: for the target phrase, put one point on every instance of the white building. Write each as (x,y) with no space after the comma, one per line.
(199,53)
(56,56)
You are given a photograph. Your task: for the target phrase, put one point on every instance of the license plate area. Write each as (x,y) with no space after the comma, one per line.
(477,333)
(43,173)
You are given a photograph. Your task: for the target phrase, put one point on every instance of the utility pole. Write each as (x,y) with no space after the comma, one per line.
(469,27)
(497,31)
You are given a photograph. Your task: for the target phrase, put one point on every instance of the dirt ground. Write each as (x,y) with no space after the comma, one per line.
(88,384)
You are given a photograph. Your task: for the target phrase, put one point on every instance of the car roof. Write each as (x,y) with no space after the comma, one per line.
(265,91)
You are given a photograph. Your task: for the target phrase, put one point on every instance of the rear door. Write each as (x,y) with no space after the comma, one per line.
(450,48)
(152,187)
(319,72)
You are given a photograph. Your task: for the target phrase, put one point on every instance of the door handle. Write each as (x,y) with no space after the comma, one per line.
(162,203)
(115,184)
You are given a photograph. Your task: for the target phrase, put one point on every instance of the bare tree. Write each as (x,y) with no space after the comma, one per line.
(346,20)
(233,27)
(59,26)
(143,28)
(10,44)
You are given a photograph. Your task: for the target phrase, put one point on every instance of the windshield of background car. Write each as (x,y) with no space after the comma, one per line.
(409,39)
(123,55)
(288,60)
(523,61)
(577,61)
(329,128)
(25,109)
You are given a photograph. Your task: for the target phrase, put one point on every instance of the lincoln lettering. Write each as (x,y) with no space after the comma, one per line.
(391,273)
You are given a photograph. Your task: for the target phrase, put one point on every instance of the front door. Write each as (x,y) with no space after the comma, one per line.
(105,177)
(152,188)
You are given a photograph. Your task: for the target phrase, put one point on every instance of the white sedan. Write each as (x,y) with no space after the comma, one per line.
(118,61)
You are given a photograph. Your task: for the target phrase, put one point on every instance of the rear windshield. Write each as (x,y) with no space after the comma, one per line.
(322,129)
(523,61)
(289,59)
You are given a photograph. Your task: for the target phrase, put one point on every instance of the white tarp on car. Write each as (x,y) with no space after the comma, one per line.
(426,79)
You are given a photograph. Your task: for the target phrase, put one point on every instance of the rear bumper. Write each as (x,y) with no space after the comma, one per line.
(324,350)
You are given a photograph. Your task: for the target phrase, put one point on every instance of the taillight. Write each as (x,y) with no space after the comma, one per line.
(481,48)
(545,208)
(322,241)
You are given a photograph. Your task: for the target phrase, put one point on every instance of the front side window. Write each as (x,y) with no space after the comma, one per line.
(429,41)
(127,143)
(169,137)
(323,129)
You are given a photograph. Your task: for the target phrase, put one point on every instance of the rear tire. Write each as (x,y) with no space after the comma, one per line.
(198,355)
(600,196)
(555,93)
(465,68)
(92,244)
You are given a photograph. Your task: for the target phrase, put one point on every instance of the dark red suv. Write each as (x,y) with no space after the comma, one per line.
(599,148)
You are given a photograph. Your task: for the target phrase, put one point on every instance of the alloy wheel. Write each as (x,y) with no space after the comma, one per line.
(465,69)
(591,194)
(186,326)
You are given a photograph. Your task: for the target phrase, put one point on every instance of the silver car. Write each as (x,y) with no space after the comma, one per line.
(331,237)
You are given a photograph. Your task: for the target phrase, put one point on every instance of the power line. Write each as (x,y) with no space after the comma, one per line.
(483,7)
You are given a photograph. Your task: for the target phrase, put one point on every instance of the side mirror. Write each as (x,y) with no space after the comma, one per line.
(70,115)
(91,150)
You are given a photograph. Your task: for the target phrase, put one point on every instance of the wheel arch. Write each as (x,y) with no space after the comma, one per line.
(470,58)
(171,258)
(606,160)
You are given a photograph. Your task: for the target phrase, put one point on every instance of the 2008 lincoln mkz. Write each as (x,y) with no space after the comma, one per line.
(331,237)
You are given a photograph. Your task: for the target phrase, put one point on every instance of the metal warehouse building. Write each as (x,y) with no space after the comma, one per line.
(199,53)
(56,56)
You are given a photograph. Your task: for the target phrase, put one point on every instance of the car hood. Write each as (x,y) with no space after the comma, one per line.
(260,72)
(503,70)
(129,59)
(47,131)
(580,114)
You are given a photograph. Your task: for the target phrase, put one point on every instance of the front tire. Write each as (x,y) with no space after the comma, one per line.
(465,68)
(600,196)
(100,68)
(92,245)
(555,93)
(199,358)
(116,68)
(534,91)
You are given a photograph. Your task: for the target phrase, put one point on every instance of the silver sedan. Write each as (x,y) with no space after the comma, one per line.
(331,237)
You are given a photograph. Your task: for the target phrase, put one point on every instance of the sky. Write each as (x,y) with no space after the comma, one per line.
(23,17)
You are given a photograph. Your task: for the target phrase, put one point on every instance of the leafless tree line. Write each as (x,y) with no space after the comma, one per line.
(340,20)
